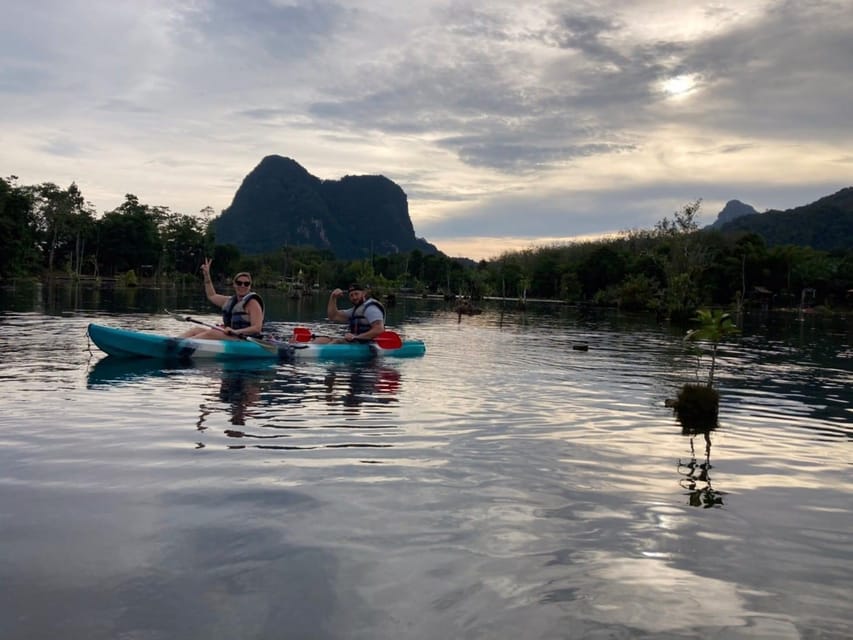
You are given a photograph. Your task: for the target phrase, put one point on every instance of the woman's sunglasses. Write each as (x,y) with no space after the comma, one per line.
(243,283)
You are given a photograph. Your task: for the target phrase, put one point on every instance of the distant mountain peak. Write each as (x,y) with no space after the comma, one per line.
(825,225)
(734,209)
(280,203)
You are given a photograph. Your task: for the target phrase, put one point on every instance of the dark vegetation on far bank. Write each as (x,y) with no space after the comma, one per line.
(671,270)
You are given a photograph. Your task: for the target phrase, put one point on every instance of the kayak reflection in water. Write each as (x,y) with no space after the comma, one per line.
(242,313)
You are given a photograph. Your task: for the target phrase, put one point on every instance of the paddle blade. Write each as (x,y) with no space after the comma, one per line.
(388,340)
(302,334)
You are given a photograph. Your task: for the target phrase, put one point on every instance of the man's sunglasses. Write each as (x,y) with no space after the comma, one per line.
(243,283)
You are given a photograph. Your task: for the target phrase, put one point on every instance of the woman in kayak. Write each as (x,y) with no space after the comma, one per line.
(242,313)
(366,318)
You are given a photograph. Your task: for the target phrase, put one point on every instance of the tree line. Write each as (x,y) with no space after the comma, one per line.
(672,269)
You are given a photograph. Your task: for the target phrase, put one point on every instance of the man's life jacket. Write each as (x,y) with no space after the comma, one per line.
(357,322)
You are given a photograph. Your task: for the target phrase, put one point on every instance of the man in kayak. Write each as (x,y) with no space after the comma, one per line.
(365,318)
(242,313)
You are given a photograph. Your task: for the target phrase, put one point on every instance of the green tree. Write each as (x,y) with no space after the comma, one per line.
(226,261)
(685,257)
(18,252)
(604,267)
(65,223)
(184,242)
(545,277)
(416,264)
(129,237)
(751,251)
(508,276)
(436,272)
(638,292)
(843,281)
(813,269)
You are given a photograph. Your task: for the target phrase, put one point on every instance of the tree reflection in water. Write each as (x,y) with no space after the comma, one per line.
(696,474)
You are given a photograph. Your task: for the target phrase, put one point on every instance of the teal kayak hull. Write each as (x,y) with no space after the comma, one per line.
(124,343)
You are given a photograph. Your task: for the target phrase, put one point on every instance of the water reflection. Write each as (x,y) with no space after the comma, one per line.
(515,488)
(696,473)
(353,386)
(696,411)
(269,411)
(110,370)
(264,405)
(240,388)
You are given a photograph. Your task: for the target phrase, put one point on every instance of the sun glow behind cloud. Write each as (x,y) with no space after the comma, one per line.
(680,86)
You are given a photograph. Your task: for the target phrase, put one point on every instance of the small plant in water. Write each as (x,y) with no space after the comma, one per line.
(714,326)
(697,406)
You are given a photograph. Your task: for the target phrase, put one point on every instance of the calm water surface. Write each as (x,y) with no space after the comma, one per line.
(505,485)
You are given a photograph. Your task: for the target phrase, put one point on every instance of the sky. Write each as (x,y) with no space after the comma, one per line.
(508,124)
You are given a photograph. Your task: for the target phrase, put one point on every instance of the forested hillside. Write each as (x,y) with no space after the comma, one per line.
(826,224)
(670,270)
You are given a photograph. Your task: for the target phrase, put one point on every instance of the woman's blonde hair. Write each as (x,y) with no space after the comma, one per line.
(242,273)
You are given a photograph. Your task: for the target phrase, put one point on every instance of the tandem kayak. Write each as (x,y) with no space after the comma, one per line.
(124,343)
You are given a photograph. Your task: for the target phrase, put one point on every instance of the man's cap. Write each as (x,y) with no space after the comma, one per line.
(355,287)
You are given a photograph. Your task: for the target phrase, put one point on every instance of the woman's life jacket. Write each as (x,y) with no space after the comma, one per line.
(234,312)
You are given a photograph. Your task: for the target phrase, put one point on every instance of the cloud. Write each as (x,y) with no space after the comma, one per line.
(524,120)
(62,147)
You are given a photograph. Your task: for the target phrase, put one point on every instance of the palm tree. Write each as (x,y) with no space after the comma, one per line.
(714,326)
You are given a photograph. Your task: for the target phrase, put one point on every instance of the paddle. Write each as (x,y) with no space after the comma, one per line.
(385,340)
(269,346)
(302,334)
(388,340)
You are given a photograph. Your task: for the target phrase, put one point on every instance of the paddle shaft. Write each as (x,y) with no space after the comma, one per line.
(266,345)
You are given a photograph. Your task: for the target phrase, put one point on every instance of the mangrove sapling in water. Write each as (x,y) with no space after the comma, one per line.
(698,404)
